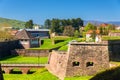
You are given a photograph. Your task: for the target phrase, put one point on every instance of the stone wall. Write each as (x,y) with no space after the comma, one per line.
(57,63)
(32,53)
(6,47)
(114,49)
(87,58)
(81,59)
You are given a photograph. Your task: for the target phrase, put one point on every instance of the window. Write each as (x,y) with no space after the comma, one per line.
(25,40)
(21,40)
(75,63)
(89,64)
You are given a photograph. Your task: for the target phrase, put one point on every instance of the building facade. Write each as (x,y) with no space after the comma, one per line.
(26,40)
(39,33)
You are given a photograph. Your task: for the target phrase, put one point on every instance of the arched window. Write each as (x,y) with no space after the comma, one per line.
(89,64)
(76,63)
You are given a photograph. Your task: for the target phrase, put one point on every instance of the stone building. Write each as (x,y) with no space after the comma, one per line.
(80,59)
(26,40)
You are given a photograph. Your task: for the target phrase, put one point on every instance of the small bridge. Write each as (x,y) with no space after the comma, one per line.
(7,68)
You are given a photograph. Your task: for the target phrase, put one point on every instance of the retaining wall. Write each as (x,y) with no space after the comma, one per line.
(30,53)
(6,47)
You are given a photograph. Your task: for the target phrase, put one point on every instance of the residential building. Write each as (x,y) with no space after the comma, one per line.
(94,32)
(26,40)
(39,33)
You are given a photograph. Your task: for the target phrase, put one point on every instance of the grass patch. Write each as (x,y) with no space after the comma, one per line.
(59,42)
(78,78)
(48,44)
(62,38)
(63,48)
(24,60)
(115,31)
(41,74)
(115,63)
(110,37)
(80,39)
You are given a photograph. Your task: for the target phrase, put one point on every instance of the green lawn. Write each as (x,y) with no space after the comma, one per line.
(41,74)
(110,37)
(63,48)
(21,59)
(48,44)
(115,63)
(79,78)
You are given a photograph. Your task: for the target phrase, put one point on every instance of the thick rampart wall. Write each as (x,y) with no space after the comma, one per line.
(6,47)
(30,53)
(87,58)
(57,63)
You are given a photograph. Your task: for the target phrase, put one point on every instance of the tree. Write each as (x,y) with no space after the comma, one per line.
(107,29)
(76,23)
(29,24)
(76,34)
(47,24)
(89,26)
(101,30)
(111,27)
(55,25)
(68,31)
(93,35)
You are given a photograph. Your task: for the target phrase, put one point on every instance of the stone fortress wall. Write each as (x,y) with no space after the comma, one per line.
(7,46)
(87,58)
(80,59)
(57,63)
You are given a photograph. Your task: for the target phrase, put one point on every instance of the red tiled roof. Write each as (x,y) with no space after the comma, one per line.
(91,31)
(104,25)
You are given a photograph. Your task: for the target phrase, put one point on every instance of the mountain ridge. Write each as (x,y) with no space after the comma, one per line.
(117,23)
(12,22)
(18,24)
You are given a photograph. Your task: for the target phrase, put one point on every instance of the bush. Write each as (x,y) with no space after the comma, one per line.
(80,39)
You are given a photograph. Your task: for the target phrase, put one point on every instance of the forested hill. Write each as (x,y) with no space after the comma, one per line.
(12,23)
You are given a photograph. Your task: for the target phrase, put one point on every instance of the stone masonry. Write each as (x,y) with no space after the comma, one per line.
(87,58)
(57,63)
(80,59)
